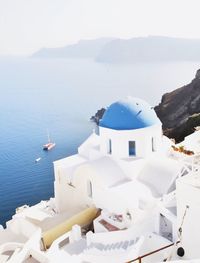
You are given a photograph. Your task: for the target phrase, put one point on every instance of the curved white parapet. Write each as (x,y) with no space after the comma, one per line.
(114,253)
(10,246)
(12,249)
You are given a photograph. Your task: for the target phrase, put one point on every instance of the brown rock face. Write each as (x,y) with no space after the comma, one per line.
(179,110)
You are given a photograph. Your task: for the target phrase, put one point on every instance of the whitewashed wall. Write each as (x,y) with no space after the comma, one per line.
(188,194)
(120,140)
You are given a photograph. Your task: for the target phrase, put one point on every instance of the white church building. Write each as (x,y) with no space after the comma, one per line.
(130,146)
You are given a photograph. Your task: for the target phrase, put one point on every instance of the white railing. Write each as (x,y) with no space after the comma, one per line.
(140,258)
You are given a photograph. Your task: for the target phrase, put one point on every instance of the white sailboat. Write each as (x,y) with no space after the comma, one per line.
(48,146)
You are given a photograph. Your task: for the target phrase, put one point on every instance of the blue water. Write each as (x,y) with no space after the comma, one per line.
(61,95)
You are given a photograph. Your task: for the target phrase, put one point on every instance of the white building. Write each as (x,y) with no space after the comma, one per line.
(115,200)
(129,143)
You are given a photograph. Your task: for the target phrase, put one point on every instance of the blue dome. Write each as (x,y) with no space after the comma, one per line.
(129,114)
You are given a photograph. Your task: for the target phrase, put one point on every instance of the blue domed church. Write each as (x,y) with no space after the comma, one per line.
(130,128)
(124,157)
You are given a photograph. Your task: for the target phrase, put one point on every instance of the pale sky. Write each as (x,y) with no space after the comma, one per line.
(27,25)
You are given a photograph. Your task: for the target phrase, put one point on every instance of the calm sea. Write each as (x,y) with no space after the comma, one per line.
(61,95)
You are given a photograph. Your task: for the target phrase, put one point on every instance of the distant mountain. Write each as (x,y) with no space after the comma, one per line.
(83,49)
(150,49)
(141,49)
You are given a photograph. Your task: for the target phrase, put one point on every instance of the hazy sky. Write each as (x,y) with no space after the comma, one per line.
(27,25)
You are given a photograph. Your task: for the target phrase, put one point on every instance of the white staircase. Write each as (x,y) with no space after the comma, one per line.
(115,252)
(99,248)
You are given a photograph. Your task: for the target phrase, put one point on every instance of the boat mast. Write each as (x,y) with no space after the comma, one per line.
(48,136)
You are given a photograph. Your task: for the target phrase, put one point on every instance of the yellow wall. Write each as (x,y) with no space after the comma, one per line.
(83,218)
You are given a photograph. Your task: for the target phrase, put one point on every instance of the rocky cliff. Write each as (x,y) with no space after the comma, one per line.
(179,110)
(98,115)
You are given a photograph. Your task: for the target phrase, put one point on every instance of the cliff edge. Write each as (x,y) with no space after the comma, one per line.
(179,110)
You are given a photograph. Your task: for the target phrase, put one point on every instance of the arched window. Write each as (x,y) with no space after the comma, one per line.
(89,188)
(132,150)
(109,147)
